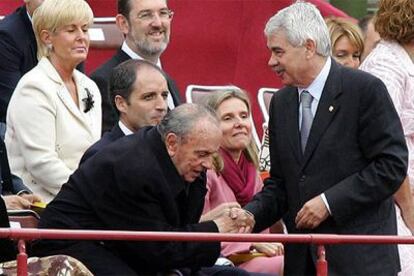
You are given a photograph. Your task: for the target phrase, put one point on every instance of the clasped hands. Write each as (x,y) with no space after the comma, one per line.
(19,202)
(230,218)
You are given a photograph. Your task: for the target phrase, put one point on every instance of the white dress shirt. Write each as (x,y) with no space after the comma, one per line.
(315,89)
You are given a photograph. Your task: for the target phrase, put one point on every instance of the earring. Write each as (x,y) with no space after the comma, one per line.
(49,47)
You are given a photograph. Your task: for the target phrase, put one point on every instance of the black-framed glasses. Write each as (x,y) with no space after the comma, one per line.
(149,15)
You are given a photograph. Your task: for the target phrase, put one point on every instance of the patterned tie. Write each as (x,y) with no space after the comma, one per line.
(307,117)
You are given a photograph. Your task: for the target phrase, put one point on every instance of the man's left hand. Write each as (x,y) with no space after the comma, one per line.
(313,213)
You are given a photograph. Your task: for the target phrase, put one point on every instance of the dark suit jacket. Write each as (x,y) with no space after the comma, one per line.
(9,183)
(133,185)
(17,54)
(7,249)
(356,154)
(102,75)
(107,138)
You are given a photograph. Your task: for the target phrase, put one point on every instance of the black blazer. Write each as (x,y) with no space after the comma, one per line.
(133,185)
(17,54)
(106,139)
(356,154)
(9,183)
(102,75)
(7,249)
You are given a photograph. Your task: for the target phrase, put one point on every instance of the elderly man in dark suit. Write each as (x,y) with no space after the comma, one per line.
(139,94)
(18,50)
(337,151)
(153,180)
(146,26)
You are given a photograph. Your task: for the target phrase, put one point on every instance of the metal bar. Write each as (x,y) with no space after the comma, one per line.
(321,263)
(319,239)
(21,258)
(33,233)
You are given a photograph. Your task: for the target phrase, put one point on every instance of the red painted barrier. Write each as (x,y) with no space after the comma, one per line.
(21,259)
(318,239)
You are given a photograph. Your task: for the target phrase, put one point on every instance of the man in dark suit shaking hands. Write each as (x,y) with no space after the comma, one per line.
(337,151)
(146,25)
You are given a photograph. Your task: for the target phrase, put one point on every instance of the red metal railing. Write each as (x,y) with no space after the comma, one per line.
(319,239)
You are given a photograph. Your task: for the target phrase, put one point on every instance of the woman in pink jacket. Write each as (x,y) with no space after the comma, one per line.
(235,177)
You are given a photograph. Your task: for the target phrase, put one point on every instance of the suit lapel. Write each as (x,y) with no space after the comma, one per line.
(63,93)
(29,29)
(173,90)
(327,108)
(292,117)
(121,56)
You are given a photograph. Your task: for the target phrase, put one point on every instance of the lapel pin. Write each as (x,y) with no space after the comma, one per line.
(331,108)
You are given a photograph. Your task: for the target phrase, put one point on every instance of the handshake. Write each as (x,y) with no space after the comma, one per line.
(230,218)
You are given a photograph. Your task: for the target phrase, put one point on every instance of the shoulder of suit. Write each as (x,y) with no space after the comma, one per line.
(104,71)
(14,27)
(354,77)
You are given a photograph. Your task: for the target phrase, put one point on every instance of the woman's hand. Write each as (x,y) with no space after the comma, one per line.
(408,217)
(269,249)
(219,211)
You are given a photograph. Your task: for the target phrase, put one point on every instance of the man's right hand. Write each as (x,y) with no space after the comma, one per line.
(235,221)
(219,211)
(15,202)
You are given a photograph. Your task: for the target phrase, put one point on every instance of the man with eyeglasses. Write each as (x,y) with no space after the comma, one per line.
(146,25)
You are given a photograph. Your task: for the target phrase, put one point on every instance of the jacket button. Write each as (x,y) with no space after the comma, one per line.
(302,178)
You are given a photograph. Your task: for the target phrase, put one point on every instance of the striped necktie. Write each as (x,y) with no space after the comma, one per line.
(307,117)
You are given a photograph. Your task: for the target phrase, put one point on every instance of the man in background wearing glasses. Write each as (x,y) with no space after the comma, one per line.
(146,25)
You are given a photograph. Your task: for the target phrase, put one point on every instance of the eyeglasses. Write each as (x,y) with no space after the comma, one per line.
(148,15)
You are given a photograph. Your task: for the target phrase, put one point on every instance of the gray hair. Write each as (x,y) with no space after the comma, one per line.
(183,119)
(301,21)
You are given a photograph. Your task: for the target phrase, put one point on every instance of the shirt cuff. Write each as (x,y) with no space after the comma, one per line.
(325,201)
(22,192)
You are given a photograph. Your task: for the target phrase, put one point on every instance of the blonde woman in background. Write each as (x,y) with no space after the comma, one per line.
(54,114)
(235,178)
(347,42)
(392,60)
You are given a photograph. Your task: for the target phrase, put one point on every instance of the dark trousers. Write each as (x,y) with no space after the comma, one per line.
(101,261)
(98,259)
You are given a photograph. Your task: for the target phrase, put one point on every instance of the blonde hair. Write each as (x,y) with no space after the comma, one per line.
(339,27)
(53,14)
(213,101)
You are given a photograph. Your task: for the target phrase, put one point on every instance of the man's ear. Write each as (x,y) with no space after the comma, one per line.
(121,104)
(310,46)
(122,23)
(171,143)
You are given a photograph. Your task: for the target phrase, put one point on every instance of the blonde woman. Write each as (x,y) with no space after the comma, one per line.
(54,114)
(346,40)
(235,178)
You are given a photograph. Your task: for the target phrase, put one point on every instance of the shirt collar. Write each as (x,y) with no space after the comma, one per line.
(316,87)
(124,128)
(134,55)
(30,18)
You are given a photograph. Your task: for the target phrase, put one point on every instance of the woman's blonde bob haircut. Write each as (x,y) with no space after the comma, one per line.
(53,14)
(339,27)
(213,101)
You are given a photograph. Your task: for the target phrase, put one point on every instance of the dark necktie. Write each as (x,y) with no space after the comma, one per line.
(307,117)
